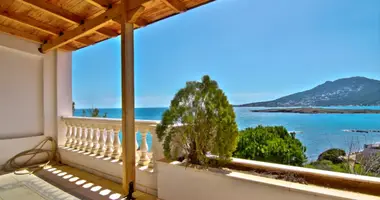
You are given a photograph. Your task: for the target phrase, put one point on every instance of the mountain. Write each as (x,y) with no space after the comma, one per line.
(341,92)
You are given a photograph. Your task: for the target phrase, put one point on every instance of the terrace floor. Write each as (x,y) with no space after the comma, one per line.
(61,183)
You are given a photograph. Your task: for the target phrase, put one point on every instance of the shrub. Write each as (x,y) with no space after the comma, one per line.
(333,155)
(329,166)
(270,144)
(208,124)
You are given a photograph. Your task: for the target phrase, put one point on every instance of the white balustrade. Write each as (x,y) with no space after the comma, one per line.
(100,136)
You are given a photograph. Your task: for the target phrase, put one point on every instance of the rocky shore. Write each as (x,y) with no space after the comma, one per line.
(318,111)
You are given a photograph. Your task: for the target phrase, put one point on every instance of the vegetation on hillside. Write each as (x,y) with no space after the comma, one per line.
(270,144)
(208,124)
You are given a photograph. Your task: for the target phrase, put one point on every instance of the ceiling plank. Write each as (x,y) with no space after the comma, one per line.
(53,10)
(32,23)
(63,15)
(22,34)
(83,29)
(176,5)
(103,4)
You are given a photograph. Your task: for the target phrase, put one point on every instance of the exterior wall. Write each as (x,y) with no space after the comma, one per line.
(29,91)
(177,182)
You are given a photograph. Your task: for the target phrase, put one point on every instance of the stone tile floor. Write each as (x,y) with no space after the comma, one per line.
(61,183)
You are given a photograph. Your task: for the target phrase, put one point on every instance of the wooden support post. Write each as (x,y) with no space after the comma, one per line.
(128,99)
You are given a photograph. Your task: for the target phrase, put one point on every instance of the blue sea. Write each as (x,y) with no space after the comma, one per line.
(317,132)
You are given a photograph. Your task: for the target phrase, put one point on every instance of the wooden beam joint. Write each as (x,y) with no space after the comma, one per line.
(176,5)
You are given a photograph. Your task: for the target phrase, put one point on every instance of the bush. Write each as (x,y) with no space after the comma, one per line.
(329,166)
(333,155)
(270,144)
(208,124)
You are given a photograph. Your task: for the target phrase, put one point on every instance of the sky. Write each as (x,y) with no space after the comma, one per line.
(256,50)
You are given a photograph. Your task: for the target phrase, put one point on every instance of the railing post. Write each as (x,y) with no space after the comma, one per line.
(74,135)
(83,138)
(78,136)
(144,159)
(101,149)
(109,145)
(136,149)
(152,162)
(69,139)
(95,140)
(89,138)
(116,143)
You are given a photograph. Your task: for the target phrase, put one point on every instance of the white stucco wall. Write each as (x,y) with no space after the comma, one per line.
(29,89)
(178,182)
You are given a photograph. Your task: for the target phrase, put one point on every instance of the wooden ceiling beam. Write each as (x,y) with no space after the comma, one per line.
(32,23)
(30,37)
(176,5)
(103,4)
(64,15)
(83,29)
(22,34)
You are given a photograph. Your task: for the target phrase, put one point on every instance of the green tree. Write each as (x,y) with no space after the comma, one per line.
(270,144)
(208,124)
(333,155)
(94,112)
(73,107)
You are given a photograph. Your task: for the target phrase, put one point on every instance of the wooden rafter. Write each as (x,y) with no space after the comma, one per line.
(89,26)
(103,4)
(176,5)
(83,29)
(30,22)
(63,14)
(30,37)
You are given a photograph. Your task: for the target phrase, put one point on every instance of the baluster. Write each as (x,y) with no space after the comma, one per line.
(108,144)
(144,159)
(116,143)
(74,136)
(68,134)
(152,150)
(137,147)
(101,142)
(89,139)
(79,134)
(95,141)
(83,138)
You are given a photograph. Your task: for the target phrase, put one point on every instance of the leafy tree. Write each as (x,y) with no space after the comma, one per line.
(207,124)
(270,144)
(333,155)
(94,113)
(73,107)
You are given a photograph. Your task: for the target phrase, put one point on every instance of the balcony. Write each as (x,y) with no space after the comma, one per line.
(36,102)
(93,145)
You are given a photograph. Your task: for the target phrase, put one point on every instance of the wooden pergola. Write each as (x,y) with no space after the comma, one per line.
(74,24)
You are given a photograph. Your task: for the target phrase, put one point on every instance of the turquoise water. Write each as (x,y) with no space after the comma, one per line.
(317,132)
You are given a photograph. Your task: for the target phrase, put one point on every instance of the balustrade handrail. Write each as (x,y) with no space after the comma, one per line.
(100,136)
